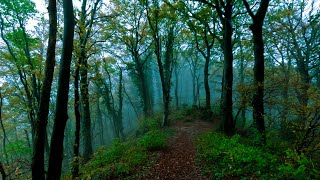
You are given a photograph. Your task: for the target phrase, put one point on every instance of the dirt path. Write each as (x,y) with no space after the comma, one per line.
(178,161)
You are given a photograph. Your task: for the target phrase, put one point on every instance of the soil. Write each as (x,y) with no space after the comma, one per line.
(178,161)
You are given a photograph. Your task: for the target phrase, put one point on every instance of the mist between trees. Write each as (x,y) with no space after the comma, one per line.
(93,73)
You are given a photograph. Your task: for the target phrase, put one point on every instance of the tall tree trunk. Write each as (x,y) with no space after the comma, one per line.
(227,109)
(40,136)
(85,32)
(258,104)
(258,46)
(143,90)
(100,121)
(194,85)
(176,87)
(120,115)
(165,66)
(61,114)
(86,119)
(206,79)
(224,11)
(241,72)
(75,164)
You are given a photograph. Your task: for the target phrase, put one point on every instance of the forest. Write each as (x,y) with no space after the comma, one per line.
(159,89)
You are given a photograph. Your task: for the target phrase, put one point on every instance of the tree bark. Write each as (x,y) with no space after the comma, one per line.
(85,32)
(206,79)
(75,164)
(258,46)
(61,114)
(120,115)
(84,91)
(258,103)
(227,109)
(165,66)
(40,136)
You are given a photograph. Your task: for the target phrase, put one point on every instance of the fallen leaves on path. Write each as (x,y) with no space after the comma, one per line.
(178,161)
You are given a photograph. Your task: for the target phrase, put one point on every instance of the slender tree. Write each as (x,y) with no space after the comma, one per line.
(225,12)
(75,163)
(164,59)
(84,34)
(61,114)
(38,171)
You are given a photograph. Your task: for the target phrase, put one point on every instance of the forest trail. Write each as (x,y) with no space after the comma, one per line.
(178,161)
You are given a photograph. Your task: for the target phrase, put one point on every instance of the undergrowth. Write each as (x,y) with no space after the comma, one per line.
(122,159)
(193,113)
(224,157)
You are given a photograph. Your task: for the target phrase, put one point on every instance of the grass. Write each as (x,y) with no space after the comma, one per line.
(228,157)
(123,159)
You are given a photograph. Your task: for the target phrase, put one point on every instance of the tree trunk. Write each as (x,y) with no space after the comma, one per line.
(86,119)
(164,64)
(120,116)
(100,121)
(176,87)
(75,164)
(143,90)
(61,114)
(227,117)
(257,103)
(166,87)
(40,136)
(258,46)
(206,78)
(194,85)
(85,32)
(243,103)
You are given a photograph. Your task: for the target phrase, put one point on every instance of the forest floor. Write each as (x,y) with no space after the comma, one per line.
(178,161)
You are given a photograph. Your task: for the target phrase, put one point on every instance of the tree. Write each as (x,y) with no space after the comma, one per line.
(85,29)
(164,59)
(131,31)
(38,171)
(13,20)
(256,28)
(61,114)
(225,12)
(75,164)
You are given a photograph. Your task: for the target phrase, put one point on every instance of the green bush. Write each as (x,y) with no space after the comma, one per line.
(227,157)
(154,140)
(119,159)
(224,157)
(122,158)
(148,124)
(298,167)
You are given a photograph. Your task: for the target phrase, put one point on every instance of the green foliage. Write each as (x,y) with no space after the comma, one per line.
(298,167)
(154,140)
(191,114)
(123,158)
(18,149)
(224,157)
(227,157)
(148,124)
(119,159)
